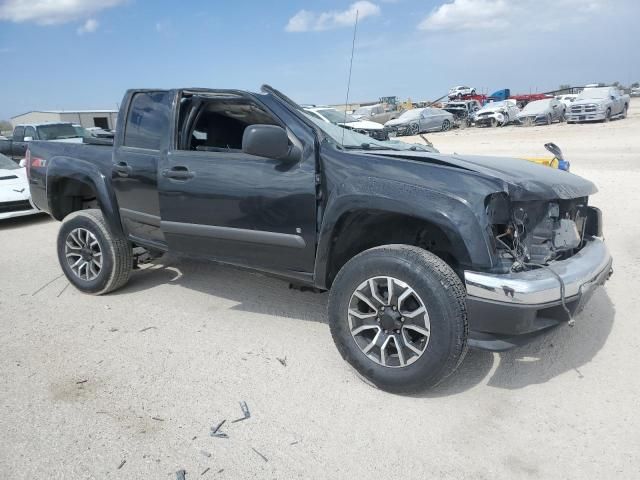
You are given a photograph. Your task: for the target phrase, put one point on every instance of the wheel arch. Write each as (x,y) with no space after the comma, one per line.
(74,184)
(444,226)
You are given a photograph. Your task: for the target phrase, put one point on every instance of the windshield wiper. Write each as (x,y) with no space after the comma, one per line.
(368,146)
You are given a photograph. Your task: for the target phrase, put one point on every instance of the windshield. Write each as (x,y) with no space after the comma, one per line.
(594,93)
(334,116)
(345,138)
(57,131)
(7,164)
(82,132)
(411,114)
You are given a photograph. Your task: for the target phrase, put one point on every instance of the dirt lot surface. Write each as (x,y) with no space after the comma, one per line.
(140,376)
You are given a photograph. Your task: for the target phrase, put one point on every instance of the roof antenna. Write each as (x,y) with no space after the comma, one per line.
(346,102)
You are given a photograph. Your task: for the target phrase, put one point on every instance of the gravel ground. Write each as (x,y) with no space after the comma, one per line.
(141,375)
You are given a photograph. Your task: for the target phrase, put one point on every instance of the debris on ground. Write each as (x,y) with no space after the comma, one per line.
(180,474)
(283,361)
(215,431)
(157,419)
(261,455)
(121,464)
(62,291)
(205,453)
(113,329)
(148,328)
(295,442)
(46,285)
(245,412)
(205,471)
(79,382)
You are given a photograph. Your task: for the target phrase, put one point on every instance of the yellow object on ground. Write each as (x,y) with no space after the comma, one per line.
(548,162)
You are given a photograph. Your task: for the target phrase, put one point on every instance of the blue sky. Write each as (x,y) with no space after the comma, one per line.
(72,54)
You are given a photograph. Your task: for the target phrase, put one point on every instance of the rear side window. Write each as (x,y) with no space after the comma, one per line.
(148,120)
(18,134)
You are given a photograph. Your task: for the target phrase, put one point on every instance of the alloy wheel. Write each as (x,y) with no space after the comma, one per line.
(83,253)
(389,322)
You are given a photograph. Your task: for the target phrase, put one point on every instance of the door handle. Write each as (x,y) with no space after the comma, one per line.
(178,173)
(122,169)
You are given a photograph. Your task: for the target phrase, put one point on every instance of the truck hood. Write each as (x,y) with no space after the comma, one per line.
(521,179)
(13,185)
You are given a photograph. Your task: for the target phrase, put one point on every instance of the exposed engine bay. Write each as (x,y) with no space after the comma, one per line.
(536,233)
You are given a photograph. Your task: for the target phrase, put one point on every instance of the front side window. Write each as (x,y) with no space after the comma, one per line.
(148,120)
(30,132)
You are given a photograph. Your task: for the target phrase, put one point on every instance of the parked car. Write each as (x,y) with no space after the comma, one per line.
(420,120)
(424,254)
(331,115)
(376,113)
(598,104)
(567,99)
(25,133)
(459,92)
(463,111)
(542,112)
(497,114)
(15,197)
(635,92)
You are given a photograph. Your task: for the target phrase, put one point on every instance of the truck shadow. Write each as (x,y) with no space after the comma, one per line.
(561,350)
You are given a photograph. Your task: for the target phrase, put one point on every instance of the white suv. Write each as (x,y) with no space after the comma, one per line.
(459,92)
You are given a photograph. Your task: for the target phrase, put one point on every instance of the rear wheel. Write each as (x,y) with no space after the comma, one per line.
(397,314)
(93,259)
(446,125)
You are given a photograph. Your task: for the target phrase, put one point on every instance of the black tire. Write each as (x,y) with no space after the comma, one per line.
(607,116)
(625,111)
(473,91)
(446,125)
(444,300)
(414,129)
(493,123)
(117,256)
(506,120)
(549,119)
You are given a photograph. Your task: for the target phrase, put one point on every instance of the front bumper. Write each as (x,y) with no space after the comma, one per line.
(585,117)
(17,208)
(506,310)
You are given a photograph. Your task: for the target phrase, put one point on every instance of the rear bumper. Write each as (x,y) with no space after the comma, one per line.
(510,309)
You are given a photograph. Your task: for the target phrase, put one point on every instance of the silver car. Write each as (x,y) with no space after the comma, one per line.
(543,112)
(419,120)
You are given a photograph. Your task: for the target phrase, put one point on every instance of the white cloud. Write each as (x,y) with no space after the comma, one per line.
(89,26)
(546,15)
(50,12)
(305,20)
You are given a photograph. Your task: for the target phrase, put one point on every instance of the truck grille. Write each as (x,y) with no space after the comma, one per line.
(591,108)
(16,206)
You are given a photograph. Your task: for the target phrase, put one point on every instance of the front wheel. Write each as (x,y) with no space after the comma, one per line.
(549,119)
(607,116)
(625,111)
(397,315)
(414,129)
(93,259)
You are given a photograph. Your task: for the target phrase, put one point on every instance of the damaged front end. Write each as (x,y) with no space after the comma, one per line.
(550,258)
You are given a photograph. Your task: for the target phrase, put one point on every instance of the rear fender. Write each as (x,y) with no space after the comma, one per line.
(62,168)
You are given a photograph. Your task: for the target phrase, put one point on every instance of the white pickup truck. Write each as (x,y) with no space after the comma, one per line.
(598,104)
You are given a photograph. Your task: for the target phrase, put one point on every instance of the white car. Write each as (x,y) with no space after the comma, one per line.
(15,197)
(497,113)
(459,92)
(567,99)
(331,115)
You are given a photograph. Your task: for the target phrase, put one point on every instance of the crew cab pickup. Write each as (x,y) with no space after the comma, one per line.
(16,147)
(424,254)
(598,104)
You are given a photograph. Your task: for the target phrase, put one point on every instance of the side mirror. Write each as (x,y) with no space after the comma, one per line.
(269,141)
(27,139)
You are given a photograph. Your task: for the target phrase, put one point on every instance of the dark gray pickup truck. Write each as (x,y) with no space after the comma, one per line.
(16,146)
(424,254)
